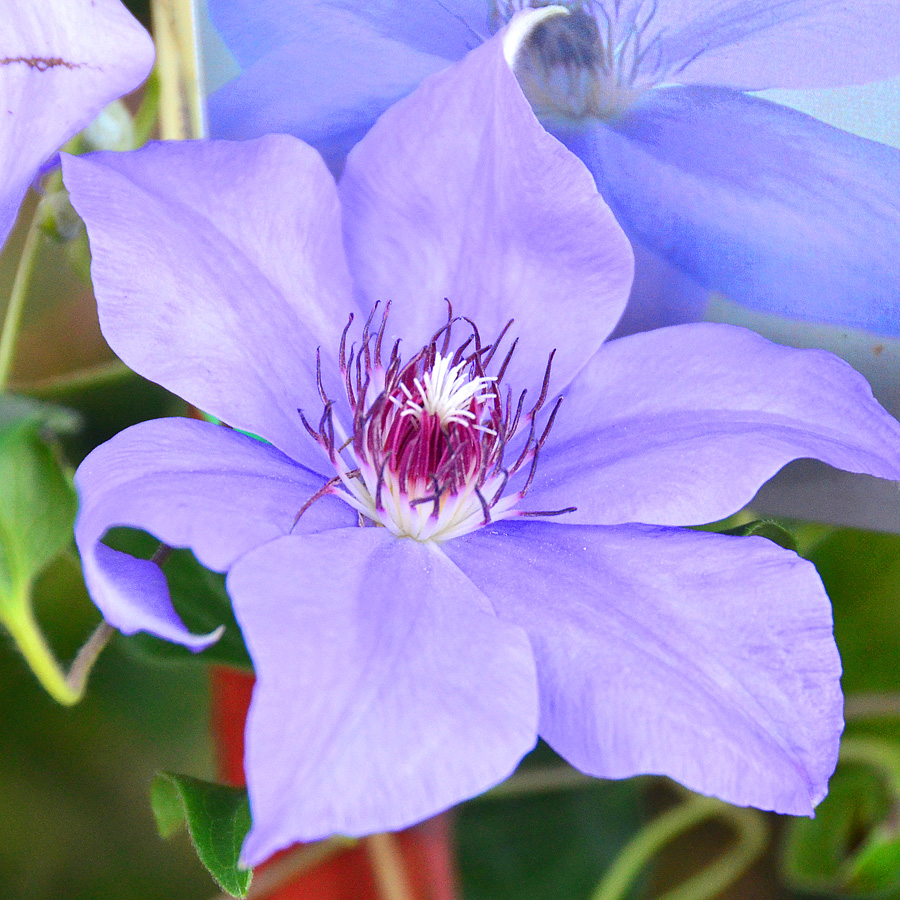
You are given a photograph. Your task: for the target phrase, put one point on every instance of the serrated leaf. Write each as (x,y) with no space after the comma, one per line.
(218,819)
(200,599)
(766,528)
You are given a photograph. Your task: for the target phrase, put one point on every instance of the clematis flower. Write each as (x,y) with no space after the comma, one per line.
(717,189)
(61,62)
(459,529)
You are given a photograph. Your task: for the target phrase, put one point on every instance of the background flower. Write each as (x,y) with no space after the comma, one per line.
(716,189)
(426,669)
(61,62)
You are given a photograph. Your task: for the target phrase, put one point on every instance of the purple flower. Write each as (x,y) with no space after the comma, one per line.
(61,62)
(434,559)
(716,189)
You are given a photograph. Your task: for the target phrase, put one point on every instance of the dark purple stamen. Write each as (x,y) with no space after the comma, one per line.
(434,431)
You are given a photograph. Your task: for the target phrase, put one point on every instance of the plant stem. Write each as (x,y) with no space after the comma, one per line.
(31,642)
(96,376)
(877,753)
(181,111)
(289,867)
(66,688)
(16,306)
(87,656)
(752,838)
(872,706)
(386,857)
(542,780)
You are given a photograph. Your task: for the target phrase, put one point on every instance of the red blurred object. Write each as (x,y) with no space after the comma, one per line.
(426,848)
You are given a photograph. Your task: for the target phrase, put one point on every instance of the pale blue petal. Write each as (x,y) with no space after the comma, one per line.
(386,688)
(770,207)
(682,425)
(703,657)
(754,44)
(190,484)
(324,70)
(61,62)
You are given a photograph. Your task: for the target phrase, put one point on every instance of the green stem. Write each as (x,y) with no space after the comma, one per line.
(752,838)
(33,646)
(65,688)
(544,780)
(87,656)
(13,320)
(875,753)
(872,706)
(87,379)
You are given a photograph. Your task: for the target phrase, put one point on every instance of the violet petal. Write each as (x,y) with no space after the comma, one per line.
(682,425)
(703,657)
(386,688)
(191,484)
(219,271)
(459,193)
(61,62)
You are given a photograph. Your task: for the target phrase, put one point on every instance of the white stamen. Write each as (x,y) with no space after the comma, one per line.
(447,391)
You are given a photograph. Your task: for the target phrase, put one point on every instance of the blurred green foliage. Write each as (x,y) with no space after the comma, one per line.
(75,822)
(547,846)
(852,847)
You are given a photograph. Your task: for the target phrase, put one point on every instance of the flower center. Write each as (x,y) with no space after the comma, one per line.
(591,63)
(425,455)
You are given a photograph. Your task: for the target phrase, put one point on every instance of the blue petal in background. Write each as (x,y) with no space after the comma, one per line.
(771,207)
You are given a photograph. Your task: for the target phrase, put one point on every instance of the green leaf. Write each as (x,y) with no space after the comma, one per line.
(200,599)
(861,572)
(765,528)
(37,512)
(544,846)
(167,805)
(37,508)
(218,819)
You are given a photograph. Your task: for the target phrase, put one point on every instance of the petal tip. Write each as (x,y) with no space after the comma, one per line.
(200,642)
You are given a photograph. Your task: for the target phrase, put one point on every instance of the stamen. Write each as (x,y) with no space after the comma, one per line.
(540,512)
(343,347)
(380,336)
(493,348)
(319,385)
(424,457)
(326,488)
(312,432)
